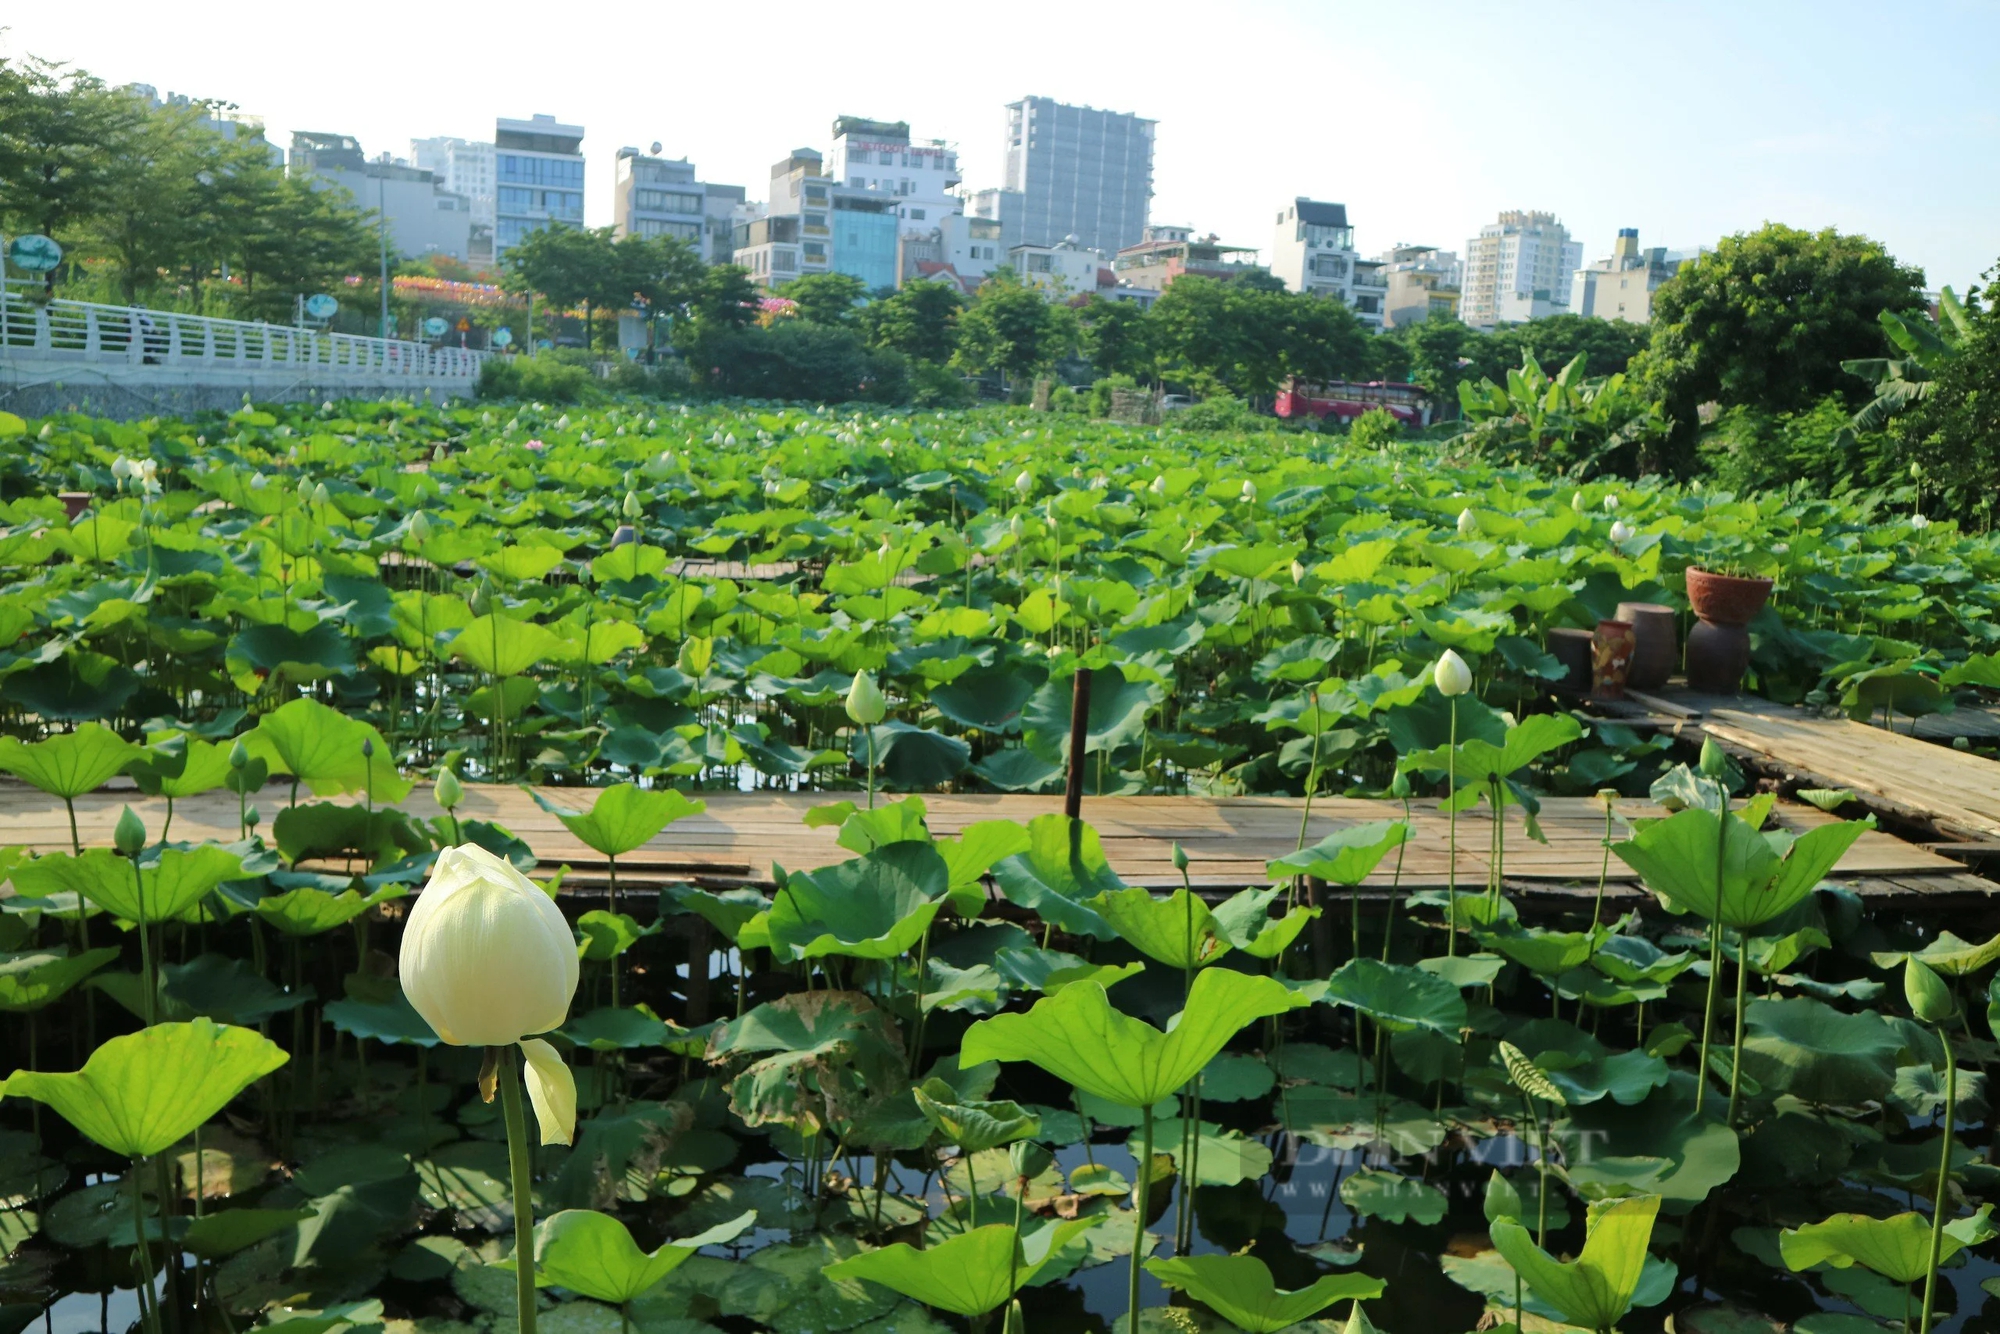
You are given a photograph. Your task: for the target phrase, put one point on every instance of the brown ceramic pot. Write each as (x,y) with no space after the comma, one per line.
(1571,648)
(75,502)
(1726,599)
(1610,659)
(1656,643)
(1717,657)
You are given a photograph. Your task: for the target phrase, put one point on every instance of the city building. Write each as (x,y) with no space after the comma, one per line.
(463,166)
(217,117)
(1420,282)
(657,196)
(538,178)
(1006,207)
(1517,269)
(1062,271)
(1313,252)
(816,224)
(1080,172)
(958,249)
(1166,253)
(879,155)
(420,215)
(1621,287)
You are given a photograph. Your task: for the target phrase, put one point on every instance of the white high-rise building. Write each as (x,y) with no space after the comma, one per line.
(879,155)
(1312,251)
(463,166)
(1518,269)
(1081,172)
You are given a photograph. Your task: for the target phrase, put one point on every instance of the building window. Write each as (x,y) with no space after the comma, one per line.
(916,215)
(1040,263)
(815,249)
(784,261)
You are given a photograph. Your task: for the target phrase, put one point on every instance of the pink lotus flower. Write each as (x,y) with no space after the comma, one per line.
(536,444)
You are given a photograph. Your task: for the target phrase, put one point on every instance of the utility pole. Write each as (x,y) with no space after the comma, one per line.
(382,233)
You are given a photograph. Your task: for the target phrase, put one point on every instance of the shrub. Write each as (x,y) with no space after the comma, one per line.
(794,359)
(936,386)
(1374,428)
(545,379)
(1220,413)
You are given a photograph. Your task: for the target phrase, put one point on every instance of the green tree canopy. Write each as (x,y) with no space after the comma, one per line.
(920,321)
(1012,329)
(827,298)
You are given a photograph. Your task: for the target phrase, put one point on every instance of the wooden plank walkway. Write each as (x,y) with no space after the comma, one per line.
(1957,792)
(1229,840)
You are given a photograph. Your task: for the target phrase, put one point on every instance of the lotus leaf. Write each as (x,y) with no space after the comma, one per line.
(1240,1289)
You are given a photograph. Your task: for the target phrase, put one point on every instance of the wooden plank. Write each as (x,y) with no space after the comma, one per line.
(1229,840)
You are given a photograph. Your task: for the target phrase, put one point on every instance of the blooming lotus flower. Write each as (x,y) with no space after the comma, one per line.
(1468,523)
(1621,531)
(488,960)
(1919,522)
(1610,503)
(1451,676)
(536,445)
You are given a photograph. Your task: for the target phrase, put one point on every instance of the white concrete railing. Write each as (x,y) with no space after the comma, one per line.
(62,330)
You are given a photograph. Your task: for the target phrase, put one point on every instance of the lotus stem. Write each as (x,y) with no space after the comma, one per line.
(1736,1053)
(149,1300)
(1603,871)
(1715,946)
(1142,1189)
(520,1157)
(1451,835)
(1940,1204)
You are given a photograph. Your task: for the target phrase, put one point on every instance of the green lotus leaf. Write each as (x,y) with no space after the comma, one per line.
(1077,1036)
(607,935)
(907,756)
(725,910)
(1237,1077)
(1244,920)
(324,749)
(1239,1288)
(310,912)
(1898,1248)
(1542,951)
(392,1021)
(1465,970)
(970,1274)
(608,1029)
(503,646)
(141,1093)
(593,1254)
(1222,1157)
(1063,867)
(217,1235)
(32,980)
(181,766)
(624,817)
(1947,954)
(1811,1050)
(1391,1196)
(971,1125)
(1177,930)
(1628,1078)
(1397,997)
(1479,761)
(1596,1289)
(162,890)
(1677,858)
(69,764)
(1344,857)
(873,907)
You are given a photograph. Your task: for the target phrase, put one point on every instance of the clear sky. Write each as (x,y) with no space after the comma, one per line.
(1688,120)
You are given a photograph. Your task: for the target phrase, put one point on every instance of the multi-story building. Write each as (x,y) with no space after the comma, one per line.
(657,196)
(419,216)
(1422,282)
(832,228)
(1313,252)
(464,166)
(1517,269)
(1166,253)
(1080,172)
(1005,207)
(880,156)
(538,178)
(959,249)
(216,117)
(1621,287)
(1062,271)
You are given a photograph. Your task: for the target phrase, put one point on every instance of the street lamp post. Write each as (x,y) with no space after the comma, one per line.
(382,234)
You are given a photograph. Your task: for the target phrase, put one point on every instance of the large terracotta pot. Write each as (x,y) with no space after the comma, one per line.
(74,502)
(1610,659)
(1656,646)
(1726,599)
(1571,647)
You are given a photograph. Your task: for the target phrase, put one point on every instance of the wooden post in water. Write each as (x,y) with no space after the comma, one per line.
(1079,732)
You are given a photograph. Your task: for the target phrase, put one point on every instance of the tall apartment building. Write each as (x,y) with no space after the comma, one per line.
(538,178)
(1517,269)
(817,224)
(879,155)
(657,196)
(464,166)
(1621,287)
(420,216)
(1081,172)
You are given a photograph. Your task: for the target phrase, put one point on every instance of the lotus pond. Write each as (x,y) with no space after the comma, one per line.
(967,1082)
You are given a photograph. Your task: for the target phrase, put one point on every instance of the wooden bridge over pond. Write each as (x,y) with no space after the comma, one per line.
(1228,840)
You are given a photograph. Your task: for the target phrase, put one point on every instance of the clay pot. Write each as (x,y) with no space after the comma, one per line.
(1726,599)
(76,502)
(1610,659)
(1571,648)
(1656,647)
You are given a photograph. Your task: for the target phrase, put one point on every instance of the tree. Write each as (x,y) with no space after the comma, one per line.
(826,298)
(569,267)
(726,299)
(1249,341)
(62,135)
(1951,436)
(291,238)
(1012,329)
(1607,346)
(1765,321)
(920,321)
(1437,349)
(661,275)
(1116,337)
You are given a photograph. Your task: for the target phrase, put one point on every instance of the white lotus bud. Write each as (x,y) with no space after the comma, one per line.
(1249,492)
(121,468)
(1452,676)
(420,527)
(1621,531)
(1468,523)
(258,481)
(322,496)
(1299,572)
(1610,502)
(865,704)
(1919,522)
(1159,486)
(488,960)
(1024,485)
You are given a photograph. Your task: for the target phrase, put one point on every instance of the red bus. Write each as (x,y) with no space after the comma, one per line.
(1409,404)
